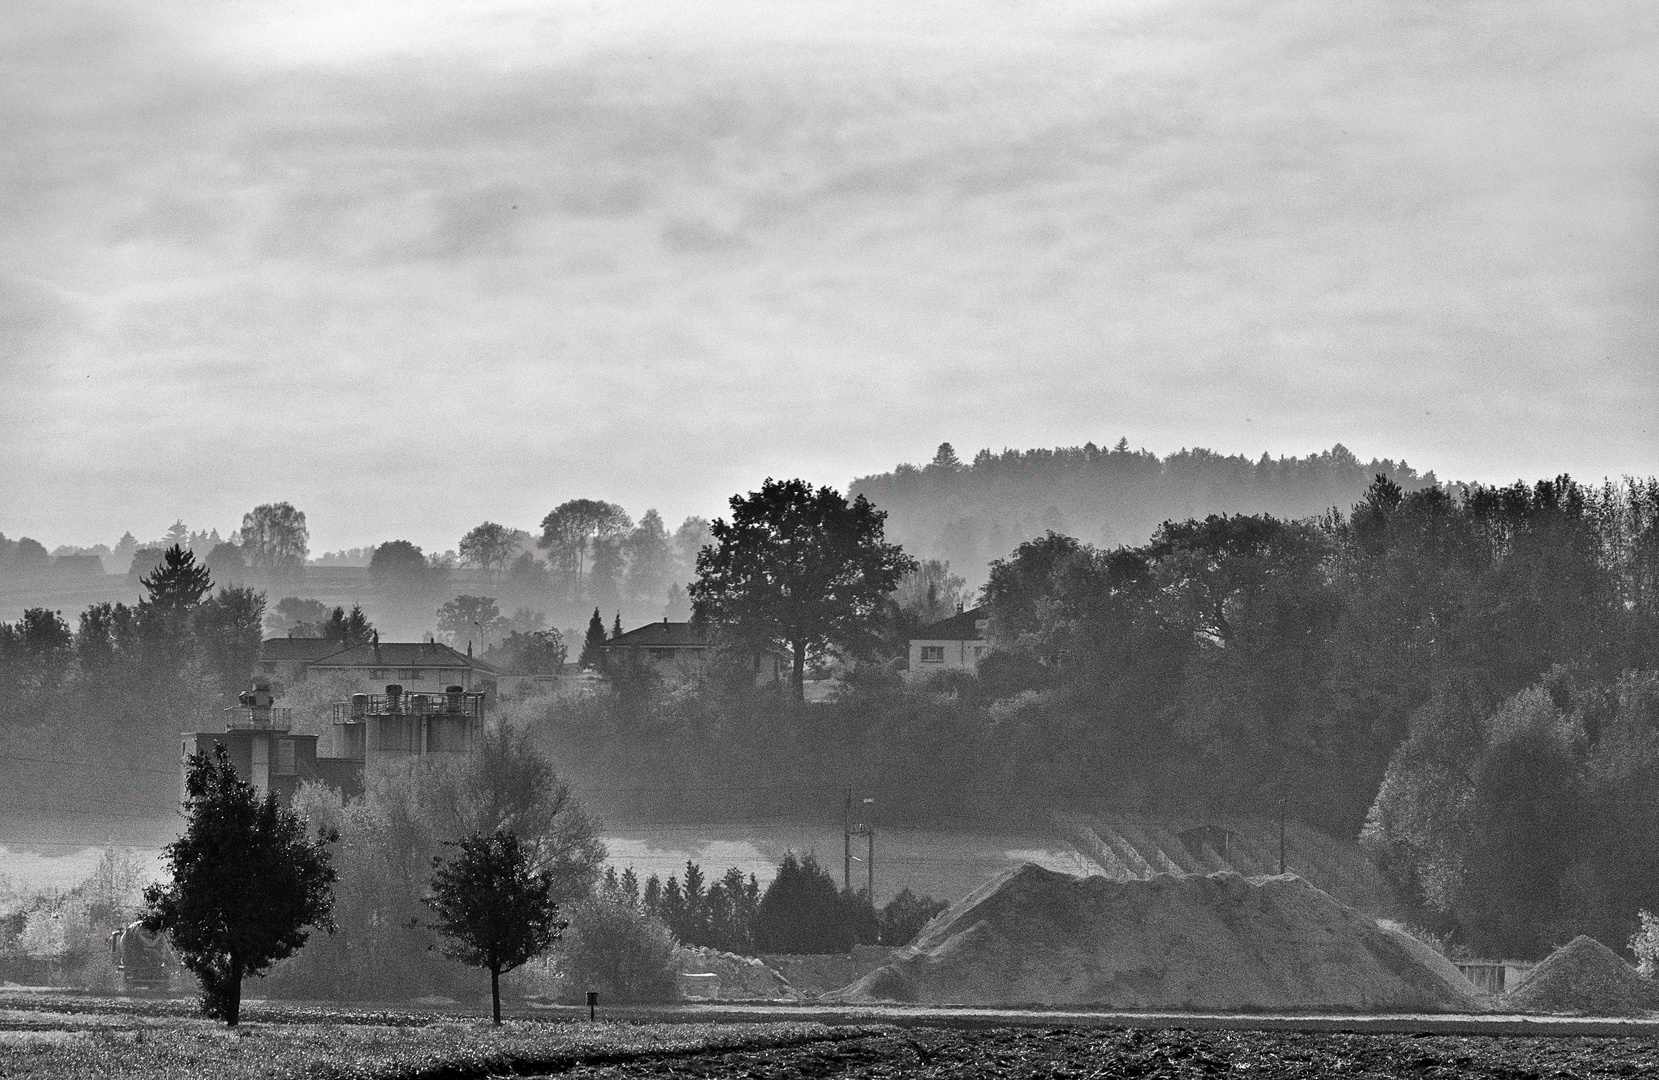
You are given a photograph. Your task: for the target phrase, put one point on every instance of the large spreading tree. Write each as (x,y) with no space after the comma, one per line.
(247,885)
(800,566)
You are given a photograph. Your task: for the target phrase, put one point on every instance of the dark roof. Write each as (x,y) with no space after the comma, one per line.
(660,635)
(963,626)
(408,654)
(297,648)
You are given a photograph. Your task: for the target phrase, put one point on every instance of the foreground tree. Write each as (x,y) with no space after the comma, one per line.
(799,566)
(494,909)
(247,883)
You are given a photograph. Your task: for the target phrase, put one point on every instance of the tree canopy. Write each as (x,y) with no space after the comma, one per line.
(798,566)
(494,909)
(488,547)
(177,583)
(274,537)
(247,883)
(569,530)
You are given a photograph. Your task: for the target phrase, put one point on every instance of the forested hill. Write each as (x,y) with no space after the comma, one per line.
(973,513)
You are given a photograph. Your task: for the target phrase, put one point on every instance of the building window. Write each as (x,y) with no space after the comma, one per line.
(378,673)
(933,654)
(284,764)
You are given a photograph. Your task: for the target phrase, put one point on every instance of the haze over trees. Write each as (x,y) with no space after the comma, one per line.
(274,538)
(970,513)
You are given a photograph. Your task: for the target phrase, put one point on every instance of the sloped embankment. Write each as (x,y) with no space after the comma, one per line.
(1200,942)
(1585,976)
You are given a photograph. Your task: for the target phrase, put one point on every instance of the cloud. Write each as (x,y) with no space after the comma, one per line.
(659,252)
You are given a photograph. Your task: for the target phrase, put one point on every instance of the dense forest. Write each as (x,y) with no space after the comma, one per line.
(1482,659)
(969,514)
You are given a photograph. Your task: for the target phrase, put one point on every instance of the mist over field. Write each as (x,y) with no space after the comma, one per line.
(365,256)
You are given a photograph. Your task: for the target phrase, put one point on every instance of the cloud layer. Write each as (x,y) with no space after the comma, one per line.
(411,266)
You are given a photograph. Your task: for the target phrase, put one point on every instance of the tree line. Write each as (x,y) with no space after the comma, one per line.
(971,512)
(1243,665)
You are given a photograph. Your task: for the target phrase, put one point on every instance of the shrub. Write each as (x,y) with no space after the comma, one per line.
(624,954)
(1645,943)
(905,915)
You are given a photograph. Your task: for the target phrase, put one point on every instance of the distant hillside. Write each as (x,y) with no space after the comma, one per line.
(973,513)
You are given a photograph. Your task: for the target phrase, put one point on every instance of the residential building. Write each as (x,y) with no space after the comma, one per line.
(680,648)
(419,667)
(285,661)
(954,644)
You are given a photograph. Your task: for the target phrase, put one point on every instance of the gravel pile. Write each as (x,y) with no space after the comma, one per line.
(742,978)
(1218,942)
(1584,977)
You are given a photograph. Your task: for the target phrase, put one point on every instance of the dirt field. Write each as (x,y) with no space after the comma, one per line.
(1106,1055)
(63,1038)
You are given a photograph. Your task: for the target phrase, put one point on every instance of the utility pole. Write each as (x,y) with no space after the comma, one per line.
(1281,836)
(847,843)
(870,853)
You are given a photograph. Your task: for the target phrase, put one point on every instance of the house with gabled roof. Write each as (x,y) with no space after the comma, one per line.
(285,661)
(420,667)
(677,647)
(954,644)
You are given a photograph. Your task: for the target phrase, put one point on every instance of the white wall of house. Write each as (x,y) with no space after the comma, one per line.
(928,656)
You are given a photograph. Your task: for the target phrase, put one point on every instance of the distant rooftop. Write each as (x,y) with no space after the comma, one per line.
(293,649)
(963,626)
(660,635)
(404,654)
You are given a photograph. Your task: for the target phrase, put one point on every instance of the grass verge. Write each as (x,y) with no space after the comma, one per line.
(47,1045)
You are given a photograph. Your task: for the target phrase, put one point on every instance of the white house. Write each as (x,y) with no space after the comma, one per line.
(954,644)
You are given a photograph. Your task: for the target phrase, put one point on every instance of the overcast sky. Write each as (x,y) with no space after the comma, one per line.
(412,265)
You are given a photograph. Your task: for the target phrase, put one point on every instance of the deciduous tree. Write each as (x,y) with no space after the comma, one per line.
(570,529)
(459,618)
(798,566)
(247,885)
(274,537)
(488,547)
(494,909)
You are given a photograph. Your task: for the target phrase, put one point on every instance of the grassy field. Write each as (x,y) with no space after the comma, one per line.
(56,1038)
(61,1036)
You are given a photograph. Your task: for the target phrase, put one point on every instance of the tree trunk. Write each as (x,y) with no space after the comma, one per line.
(800,671)
(233,992)
(495,993)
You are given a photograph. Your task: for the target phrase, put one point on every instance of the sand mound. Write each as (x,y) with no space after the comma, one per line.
(742,978)
(1584,976)
(1221,942)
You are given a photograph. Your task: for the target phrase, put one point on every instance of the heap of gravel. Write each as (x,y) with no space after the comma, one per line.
(1218,942)
(742,978)
(1585,977)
